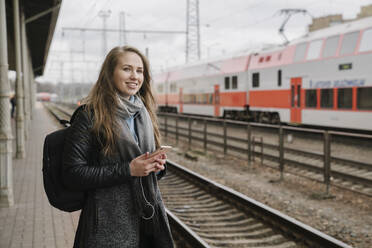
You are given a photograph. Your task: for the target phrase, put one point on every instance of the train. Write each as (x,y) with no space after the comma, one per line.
(46,97)
(321,79)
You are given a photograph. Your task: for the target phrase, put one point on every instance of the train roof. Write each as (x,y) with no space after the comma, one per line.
(335,30)
(205,68)
(239,62)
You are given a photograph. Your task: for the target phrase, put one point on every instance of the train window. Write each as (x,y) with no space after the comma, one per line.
(300,52)
(173,87)
(345,98)
(330,47)
(234,82)
(205,98)
(366,42)
(310,100)
(326,98)
(314,49)
(189,98)
(255,79)
(279,78)
(364,98)
(349,43)
(185,98)
(201,98)
(227,83)
(210,98)
(160,88)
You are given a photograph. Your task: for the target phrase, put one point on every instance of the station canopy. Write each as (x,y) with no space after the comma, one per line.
(41,17)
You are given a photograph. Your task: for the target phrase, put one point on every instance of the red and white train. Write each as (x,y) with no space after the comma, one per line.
(323,78)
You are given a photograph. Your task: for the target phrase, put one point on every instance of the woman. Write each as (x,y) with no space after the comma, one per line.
(106,154)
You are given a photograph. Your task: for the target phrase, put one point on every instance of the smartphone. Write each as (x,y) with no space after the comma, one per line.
(162,149)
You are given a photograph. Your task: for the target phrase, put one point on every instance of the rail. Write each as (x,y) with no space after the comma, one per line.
(181,183)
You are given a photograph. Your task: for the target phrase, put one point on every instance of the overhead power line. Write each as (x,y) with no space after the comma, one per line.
(125,30)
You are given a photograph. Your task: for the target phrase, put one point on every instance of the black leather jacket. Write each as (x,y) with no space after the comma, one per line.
(109,217)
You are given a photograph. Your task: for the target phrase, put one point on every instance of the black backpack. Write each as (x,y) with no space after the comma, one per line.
(58,196)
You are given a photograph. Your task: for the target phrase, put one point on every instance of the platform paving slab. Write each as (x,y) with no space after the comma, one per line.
(32,222)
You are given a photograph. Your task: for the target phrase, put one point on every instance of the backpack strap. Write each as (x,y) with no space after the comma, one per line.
(75,112)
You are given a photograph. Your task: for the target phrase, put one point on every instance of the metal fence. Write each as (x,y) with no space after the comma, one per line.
(278,145)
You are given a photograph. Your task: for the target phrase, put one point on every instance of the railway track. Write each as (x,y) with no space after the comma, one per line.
(203,213)
(223,217)
(345,173)
(58,112)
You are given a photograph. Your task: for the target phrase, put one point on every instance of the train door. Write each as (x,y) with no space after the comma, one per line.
(216,100)
(296,84)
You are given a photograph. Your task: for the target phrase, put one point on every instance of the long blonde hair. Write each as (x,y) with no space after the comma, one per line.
(102,100)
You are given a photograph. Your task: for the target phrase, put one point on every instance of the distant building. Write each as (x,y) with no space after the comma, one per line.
(325,21)
(365,11)
(330,20)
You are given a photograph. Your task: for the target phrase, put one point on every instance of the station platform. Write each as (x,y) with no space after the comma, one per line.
(32,221)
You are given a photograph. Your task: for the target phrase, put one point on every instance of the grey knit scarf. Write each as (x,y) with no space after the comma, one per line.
(127,109)
(143,188)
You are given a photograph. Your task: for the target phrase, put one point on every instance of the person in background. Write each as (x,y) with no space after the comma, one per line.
(13,105)
(107,155)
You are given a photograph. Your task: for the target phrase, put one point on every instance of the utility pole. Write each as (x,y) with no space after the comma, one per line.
(104,14)
(192,31)
(122,34)
(192,34)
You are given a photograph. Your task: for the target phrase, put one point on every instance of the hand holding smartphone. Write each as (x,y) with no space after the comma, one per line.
(161,150)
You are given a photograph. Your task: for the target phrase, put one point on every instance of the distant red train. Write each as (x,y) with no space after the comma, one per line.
(323,78)
(43,96)
(46,96)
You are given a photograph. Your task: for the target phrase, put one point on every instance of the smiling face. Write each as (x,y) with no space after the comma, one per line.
(128,74)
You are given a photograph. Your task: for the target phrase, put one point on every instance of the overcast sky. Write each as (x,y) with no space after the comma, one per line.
(226,26)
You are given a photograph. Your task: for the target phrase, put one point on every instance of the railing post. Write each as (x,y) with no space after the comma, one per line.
(249,134)
(190,133)
(262,154)
(205,135)
(177,129)
(327,160)
(253,148)
(224,137)
(281,152)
